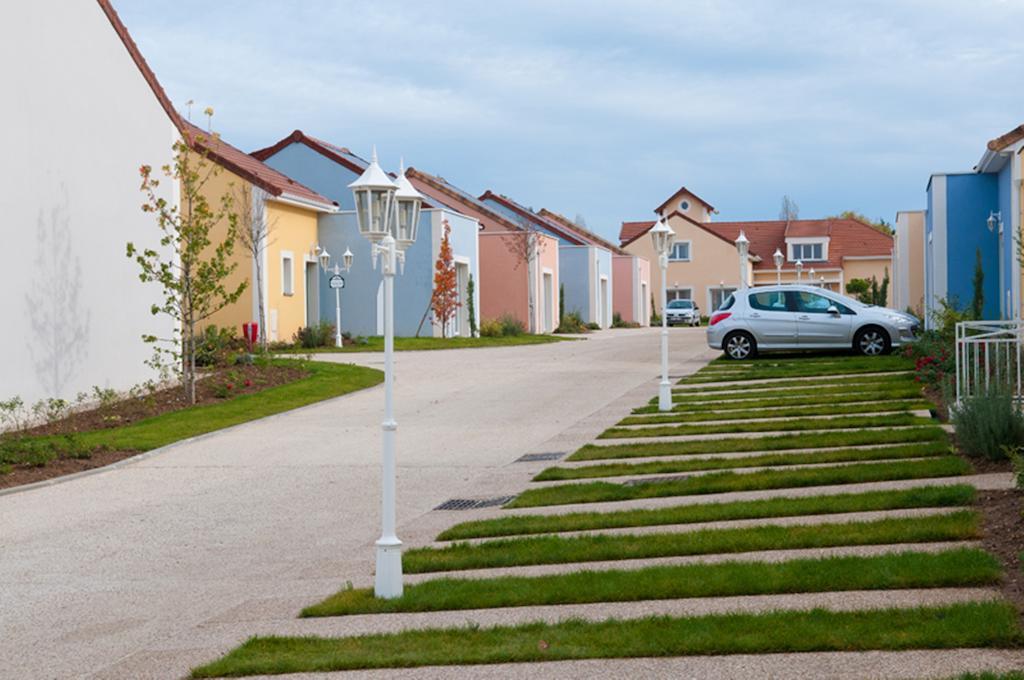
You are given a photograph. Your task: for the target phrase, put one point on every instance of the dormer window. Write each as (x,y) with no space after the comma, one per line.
(808,251)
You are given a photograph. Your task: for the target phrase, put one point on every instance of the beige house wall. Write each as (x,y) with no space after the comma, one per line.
(865,269)
(713,262)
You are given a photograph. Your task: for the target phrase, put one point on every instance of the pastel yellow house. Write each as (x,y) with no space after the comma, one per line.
(908,261)
(704,265)
(289,212)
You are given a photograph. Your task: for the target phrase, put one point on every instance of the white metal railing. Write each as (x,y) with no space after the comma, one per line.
(988,358)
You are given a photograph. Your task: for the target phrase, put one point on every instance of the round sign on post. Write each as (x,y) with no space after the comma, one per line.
(337,281)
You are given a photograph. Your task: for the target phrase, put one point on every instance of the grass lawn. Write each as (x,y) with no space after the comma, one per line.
(797,371)
(987,624)
(325,380)
(797,385)
(922,497)
(746,400)
(724,482)
(376,343)
(772,443)
(925,450)
(818,409)
(794,424)
(953,568)
(517,552)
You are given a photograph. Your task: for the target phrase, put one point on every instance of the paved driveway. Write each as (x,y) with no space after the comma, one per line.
(99,573)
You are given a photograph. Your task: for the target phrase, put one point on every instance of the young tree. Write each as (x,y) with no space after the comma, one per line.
(789,209)
(192,269)
(471,306)
(525,245)
(445,299)
(978,294)
(254,233)
(880,224)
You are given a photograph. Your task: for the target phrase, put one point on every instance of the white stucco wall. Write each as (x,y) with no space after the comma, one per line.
(80,120)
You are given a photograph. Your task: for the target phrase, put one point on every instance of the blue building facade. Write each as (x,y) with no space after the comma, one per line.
(315,163)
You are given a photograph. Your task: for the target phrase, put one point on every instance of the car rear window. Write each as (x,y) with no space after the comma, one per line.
(729,302)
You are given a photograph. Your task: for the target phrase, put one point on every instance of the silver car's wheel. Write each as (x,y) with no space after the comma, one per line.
(871,341)
(739,346)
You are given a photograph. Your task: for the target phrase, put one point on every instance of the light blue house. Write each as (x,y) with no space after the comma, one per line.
(970,213)
(331,168)
(584,263)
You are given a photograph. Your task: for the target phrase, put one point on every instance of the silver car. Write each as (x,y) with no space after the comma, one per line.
(682,312)
(791,317)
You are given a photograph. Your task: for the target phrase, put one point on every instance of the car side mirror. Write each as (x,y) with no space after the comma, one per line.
(833,310)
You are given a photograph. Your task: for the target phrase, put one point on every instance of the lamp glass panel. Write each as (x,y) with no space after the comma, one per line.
(362,197)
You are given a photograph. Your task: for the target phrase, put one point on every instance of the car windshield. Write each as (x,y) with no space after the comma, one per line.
(681,304)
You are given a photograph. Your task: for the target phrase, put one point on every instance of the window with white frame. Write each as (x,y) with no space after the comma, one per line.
(807,252)
(679,294)
(719,294)
(680,252)
(287,274)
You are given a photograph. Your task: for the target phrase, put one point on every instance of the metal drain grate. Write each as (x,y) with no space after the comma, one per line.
(534,457)
(473,503)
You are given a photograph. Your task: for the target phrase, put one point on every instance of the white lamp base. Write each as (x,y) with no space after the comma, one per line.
(665,396)
(388,581)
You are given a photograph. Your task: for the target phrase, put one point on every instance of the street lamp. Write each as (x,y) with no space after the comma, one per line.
(388,214)
(779,259)
(822,282)
(811,276)
(743,248)
(663,237)
(799,269)
(336,283)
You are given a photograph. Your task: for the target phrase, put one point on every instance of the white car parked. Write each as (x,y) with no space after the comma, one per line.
(682,312)
(804,317)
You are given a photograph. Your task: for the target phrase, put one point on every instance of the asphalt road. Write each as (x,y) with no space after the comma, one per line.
(115,574)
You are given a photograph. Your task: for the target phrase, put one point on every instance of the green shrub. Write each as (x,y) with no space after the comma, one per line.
(618,322)
(490,328)
(213,345)
(934,359)
(321,335)
(511,326)
(571,323)
(593,326)
(988,425)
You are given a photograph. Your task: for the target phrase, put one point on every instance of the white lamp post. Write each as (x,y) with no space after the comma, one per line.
(799,270)
(663,237)
(743,248)
(388,214)
(811,275)
(778,258)
(821,283)
(337,283)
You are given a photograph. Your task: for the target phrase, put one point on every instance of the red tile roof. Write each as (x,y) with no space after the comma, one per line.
(438,189)
(252,169)
(681,190)
(1005,140)
(847,237)
(583,233)
(543,222)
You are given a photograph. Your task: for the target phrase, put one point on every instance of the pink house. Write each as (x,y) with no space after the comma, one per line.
(510,282)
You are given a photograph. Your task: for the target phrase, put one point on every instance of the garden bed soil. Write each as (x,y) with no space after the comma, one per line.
(1004,538)
(214,387)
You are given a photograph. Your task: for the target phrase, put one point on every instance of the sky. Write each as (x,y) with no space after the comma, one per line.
(604,109)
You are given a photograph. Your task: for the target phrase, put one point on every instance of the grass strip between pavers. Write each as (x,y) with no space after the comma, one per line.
(799,385)
(768,369)
(987,624)
(744,403)
(921,497)
(767,443)
(661,467)
(791,425)
(831,408)
(517,552)
(725,482)
(964,567)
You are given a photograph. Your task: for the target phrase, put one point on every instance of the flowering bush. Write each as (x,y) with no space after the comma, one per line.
(934,359)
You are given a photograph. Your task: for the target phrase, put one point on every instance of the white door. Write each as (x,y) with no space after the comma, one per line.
(644,315)
(602,313)
(461,318)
